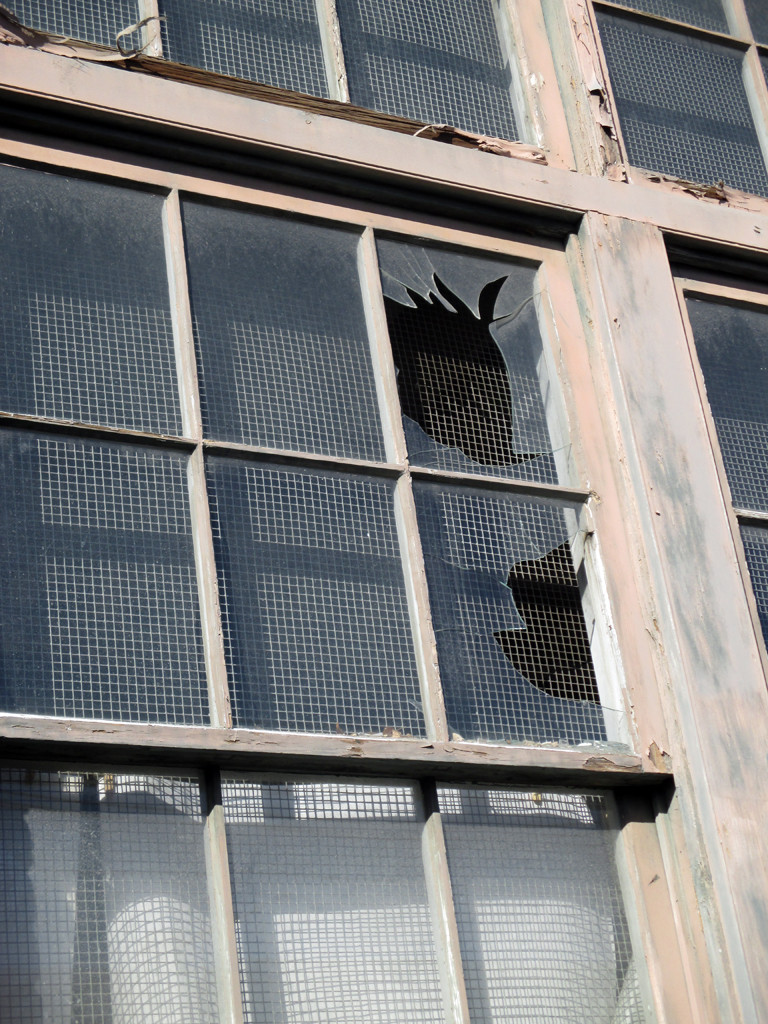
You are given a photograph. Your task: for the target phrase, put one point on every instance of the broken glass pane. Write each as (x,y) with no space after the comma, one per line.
(93,21)
(683,106)
(99,613)
(542,928)
(104,907)
(732,346)
(333,921)
(314,608)
(513,647)
(284,354)
(439,61)
(471,372)
(272,41)
(87,332)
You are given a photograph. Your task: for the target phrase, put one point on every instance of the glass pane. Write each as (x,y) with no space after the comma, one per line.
(470,369)
(283,345)
(703,13)
(331,910)
(732,346)
(87,332)
(438,61)
(513,648)
(99,613)
(542,929)
(755,540)
(758,19)
(682,104)
(272,41)
(316,621)
(103,903)
(94,21)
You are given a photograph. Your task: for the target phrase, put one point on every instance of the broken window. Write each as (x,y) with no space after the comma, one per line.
(94,21)
(682,103)
(513,647)
(471,371)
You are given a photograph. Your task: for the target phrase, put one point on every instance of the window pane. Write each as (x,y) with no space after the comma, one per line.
(103,902)
(732,346)
(315,615)
(87,332)
(704,13)
(682,104)
(541,926)
(470,367)
(272,41)
(755,540)
(758,19)
(438,61)
(99,612)
(331,908)
(95,21)
(513,647)
(284,352)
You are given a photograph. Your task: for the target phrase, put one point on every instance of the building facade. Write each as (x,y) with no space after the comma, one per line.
(383,426)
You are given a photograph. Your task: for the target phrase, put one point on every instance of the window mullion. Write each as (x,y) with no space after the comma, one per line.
(443,913)
(330,33)
(222,910)
(149,9)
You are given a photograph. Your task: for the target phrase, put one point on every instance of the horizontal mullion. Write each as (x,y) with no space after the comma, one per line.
(751,517)
(12,419)
(37,738)
(633,14)
(554,492)
(261,454)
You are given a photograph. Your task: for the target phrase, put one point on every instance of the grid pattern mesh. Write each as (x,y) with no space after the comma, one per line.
(331,909)
(758,20)
(115,633)
(457,389)
(315,616)
(755,540)
(87,332)
(732,346)
(542,930)
(703,13)
(272,41)
(286,365)
(513,647)
(683,107)
(437,61)
(94,21)
(103,902)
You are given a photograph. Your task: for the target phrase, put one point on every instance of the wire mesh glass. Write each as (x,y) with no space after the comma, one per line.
(471,373)
(683,105)
(758,19)
(542,929)
(755,540)
(316,623)
(702,13)
(93,21)
(331,910)
(732,346)
(87,333)
(512,641)
(283,347)
(272,41)
(103,905)
(100,610)
(439,61)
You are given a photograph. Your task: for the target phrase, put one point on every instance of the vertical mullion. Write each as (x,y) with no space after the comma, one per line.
(222,909)
(149,9)
(442,908)
(205,563)
(330,34)
(405,510)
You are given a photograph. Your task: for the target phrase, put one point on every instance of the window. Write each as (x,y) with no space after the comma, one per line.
(688,89)
(433,61)
(731,339)
(281,474)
